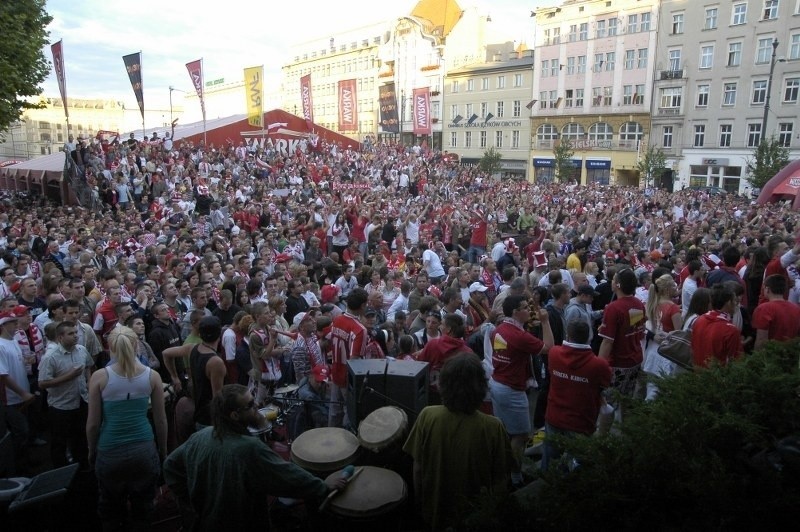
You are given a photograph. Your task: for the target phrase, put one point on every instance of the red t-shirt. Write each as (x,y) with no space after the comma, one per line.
(624,324)
(348,340)
(774,267)
(478,227)
(437,351)
(714,336)
(512,348)
(668,310)
(577,377)
(780,318)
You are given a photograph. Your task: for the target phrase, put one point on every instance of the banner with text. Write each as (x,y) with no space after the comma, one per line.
(195,69)
(348,108)
(58,65)
(387,99)
(422,111)
(133,64)
(305,97)
(254,85)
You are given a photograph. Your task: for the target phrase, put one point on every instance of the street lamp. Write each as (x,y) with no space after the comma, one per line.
(402,111)
(769,87)
(171,121)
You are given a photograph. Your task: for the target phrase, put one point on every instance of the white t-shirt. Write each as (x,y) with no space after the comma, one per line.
(433,265)
(13,365)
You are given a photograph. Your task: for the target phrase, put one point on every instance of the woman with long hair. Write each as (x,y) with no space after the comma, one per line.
(663,316)
(126,458)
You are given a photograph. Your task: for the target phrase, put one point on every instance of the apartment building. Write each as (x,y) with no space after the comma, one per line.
(486,108)
(592,86)
(727,74)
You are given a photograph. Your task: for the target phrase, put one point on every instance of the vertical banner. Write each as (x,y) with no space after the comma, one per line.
(254,87)
(305,96)
(133,64)
(58,65)
(195,69)
(348,108)
(422,111)
(387,99)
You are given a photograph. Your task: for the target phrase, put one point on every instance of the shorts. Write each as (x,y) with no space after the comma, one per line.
(511,407)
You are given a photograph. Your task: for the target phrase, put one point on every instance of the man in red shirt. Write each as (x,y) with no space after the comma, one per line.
(438,350)
(512,349)
(714,336)
(577,379)
(348,339)
(776,318)
(781,259)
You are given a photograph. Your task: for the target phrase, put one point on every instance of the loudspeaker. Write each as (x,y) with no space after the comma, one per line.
(372,384)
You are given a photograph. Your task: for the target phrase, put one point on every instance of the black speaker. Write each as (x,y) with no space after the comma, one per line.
(372,384)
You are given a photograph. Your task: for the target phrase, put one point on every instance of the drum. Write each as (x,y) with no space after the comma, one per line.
(373,493)
(324,450)
(383,429)
(270,412)
(286,395)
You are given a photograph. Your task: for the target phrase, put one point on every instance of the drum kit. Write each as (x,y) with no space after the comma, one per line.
(277,413)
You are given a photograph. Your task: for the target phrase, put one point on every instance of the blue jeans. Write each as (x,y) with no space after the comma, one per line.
(127,473)
(474,254)
(552,452)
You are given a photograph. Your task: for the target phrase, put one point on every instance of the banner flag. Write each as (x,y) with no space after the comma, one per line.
(387,99)
(58,65)
(133,64)
(305,96)
(254,85)
(422,111)
(348,106)
(195,69)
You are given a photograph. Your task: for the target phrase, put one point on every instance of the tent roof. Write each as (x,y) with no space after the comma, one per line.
(188,130)
(53,163)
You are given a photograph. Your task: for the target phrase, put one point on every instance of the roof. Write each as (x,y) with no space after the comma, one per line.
(53,163)
(444,13)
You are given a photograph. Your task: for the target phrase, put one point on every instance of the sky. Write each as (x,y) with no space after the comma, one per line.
(229,35)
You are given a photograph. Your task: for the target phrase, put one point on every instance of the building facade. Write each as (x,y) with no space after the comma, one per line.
(485,108)
(592,87)
(723,70)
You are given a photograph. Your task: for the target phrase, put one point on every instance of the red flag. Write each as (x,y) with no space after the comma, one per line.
(58,65)
(305,96)
(195,69)
(348,107)
(422,111)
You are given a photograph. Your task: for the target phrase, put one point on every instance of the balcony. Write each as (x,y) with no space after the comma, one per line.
(669,111)
(671,74)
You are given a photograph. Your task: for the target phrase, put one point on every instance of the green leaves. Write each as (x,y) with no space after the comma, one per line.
(769,157)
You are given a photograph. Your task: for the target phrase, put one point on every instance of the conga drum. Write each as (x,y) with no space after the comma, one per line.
(369,497)
(324,450)
(270,412)
(383,432)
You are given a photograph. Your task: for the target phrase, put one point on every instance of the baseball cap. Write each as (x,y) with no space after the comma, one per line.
(587,290)
(321,373)
(20,310)
(477,287)
(300,317)
(7,316)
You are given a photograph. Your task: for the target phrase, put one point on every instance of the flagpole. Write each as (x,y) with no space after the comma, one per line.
(144,130)
(203,102)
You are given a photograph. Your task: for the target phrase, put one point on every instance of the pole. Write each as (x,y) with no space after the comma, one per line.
(203,103)
(769,89)
(402,112)
(171,123)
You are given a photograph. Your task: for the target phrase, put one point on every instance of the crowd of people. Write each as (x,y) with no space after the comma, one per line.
(209,266)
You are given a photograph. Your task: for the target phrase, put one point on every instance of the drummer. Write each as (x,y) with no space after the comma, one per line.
(313,392)
(222,475)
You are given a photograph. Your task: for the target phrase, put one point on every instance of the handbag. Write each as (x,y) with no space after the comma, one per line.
(677,347)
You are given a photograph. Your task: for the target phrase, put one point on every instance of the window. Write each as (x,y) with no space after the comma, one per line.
(484,84)
(770,9)
(642,61)
(581,64)
(573,33)
(584,32)
(764,50)
(608,92)
(553,99)
(453,139)
(645,25)
(711,18)
(516,111)
(468,139)
(631,133)
(546,37)
(499,108)
(600,29)
(675,59)
(759,92)
(633,23)
(725,134)
(468,110)
(601,131)
(707,56)
(518,80)
(638,95)
(515,139)
(597,96)
(454,87)
(794,45)
(785,134)
(554,67)
(556,35)
(702,95)
(734,54)
(753,135)
(470,85)
(627,95)
(671,97)
(791,90)
(677,23)
(569,98)
(612,26)
(547,133)
(453,111)
(543,100)
(498,139)
(729,93)
(666,136)
(611,59)
(699,135)
(483,139)
(484,109)
(578,97)
(573,132)
(598,62)
(545,68)
(630,59)
(570,65)
(739,14)
(501,82)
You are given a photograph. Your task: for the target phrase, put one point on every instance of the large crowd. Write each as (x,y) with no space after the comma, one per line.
(201,267)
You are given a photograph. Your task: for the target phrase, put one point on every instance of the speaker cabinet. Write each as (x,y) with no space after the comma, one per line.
(373,384)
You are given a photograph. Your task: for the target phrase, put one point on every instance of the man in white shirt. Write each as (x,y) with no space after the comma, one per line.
(689,287)
(433,264)
(14,378)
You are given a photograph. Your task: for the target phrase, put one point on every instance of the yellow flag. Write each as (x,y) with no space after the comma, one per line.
(254,88)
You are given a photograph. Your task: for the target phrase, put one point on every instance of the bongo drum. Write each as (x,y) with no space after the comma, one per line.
(373,493)
(324,450)
(382,429)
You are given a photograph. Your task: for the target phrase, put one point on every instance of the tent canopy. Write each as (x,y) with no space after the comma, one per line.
(785,185)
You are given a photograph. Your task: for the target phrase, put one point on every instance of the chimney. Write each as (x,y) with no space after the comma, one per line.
(498,56)
(513,55)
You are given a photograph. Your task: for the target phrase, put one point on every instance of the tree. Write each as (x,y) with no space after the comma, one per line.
(563,153)
(490,162)
(769,157)
(652,165)
(23,66)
